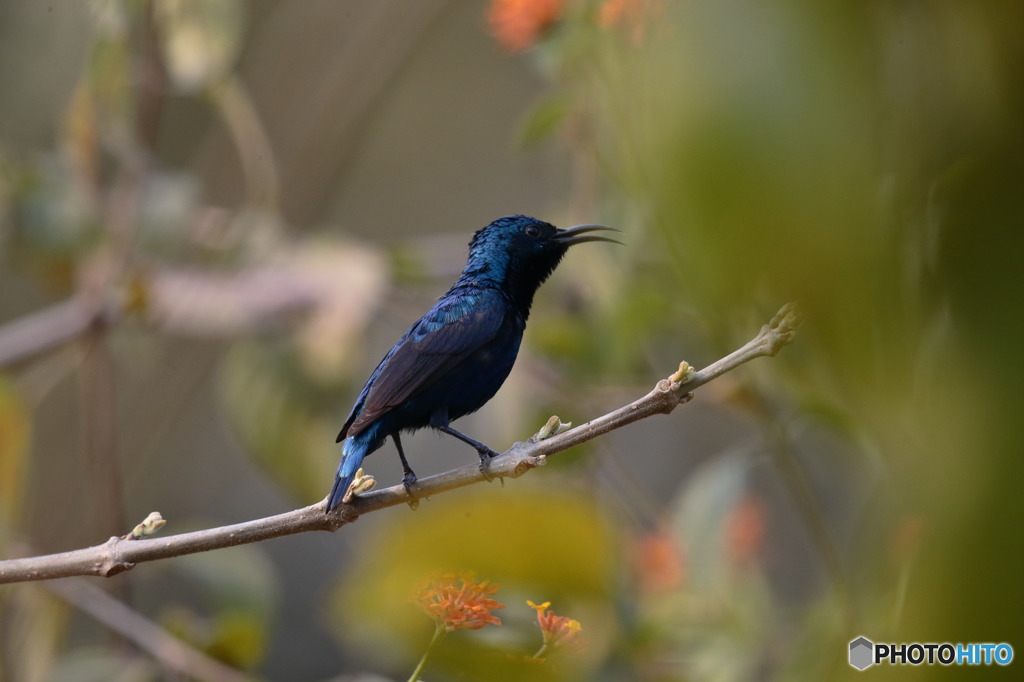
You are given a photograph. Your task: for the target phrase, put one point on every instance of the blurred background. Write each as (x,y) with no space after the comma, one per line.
(215,218)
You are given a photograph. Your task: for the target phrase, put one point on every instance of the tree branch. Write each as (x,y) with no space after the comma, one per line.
(170,651)
(120,554)
(316,283)
(49,328)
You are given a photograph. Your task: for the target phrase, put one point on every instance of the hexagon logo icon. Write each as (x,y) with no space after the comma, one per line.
(862,653)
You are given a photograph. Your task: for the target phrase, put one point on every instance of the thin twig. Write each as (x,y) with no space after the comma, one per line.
(251,142)
(119,554)
(171,652)
(341,280)
(49,328)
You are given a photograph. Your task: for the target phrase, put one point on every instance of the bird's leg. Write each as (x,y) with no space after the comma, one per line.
(409,476)
(485,452)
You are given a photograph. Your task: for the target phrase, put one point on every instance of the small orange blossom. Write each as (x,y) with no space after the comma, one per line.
(558,630)
(464,606)
(660,562)
(633,16)
(518,24)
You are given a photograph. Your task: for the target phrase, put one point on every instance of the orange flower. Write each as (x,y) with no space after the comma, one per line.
(744,530)
(459,607)
(518,24)
(632,15)
(659,562)
(558,630)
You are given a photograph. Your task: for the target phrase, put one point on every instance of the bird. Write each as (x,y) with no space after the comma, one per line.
(454,359)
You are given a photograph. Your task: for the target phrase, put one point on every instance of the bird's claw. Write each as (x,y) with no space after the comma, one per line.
(486,455)
(408,481)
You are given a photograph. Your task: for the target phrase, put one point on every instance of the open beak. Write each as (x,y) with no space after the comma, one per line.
(577,235)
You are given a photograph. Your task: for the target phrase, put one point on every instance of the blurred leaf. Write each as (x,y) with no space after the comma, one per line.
(201,40)
(34,626)
(238,639)
(169,207)
(54,218)
(239,593)
(596,340)
(237,579)
(15,433)
(543,121)
(80,139)
(276,420)
(107,81)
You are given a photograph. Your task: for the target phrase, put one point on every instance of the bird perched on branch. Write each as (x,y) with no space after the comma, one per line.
(457,356)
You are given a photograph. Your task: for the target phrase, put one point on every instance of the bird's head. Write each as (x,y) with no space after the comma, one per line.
(520,252)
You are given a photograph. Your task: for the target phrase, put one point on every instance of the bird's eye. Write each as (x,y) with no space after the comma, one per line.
(532,231)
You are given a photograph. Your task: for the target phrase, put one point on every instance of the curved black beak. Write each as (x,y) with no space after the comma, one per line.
(577,235)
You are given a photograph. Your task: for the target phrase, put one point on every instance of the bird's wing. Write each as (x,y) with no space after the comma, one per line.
(453,329)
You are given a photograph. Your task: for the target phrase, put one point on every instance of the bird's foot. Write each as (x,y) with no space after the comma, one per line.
(408,481)
(485,468)
(486,455)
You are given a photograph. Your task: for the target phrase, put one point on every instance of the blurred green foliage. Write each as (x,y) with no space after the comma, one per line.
(863,159)
(238,590)
(15,434)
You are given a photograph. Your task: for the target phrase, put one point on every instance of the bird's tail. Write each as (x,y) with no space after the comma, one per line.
(353,450)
